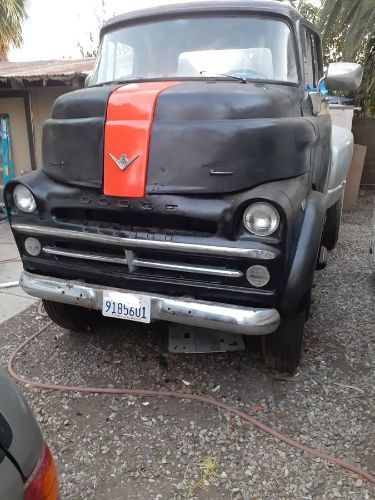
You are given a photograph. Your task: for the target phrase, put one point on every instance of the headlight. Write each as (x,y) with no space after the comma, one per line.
(261,219)
(24,199)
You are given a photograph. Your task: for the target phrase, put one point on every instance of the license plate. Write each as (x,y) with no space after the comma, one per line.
(129,306)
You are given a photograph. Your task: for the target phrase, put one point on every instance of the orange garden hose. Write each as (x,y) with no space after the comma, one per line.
(10,261)
(200,398)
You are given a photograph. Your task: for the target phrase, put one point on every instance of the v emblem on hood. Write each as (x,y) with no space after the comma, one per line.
(123,162)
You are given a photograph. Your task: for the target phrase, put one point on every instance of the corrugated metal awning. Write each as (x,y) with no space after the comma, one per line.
(65,71)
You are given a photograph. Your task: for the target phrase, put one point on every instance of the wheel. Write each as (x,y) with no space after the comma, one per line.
(332,225)
(282,350)
(70,317)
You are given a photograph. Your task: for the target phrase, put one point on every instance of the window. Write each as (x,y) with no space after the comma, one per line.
(249,62)
(311,59)
(120,61)
(246,46)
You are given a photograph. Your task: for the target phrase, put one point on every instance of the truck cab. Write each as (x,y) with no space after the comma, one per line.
(192,179)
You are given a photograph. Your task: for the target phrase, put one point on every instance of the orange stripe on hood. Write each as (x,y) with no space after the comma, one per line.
(130,113)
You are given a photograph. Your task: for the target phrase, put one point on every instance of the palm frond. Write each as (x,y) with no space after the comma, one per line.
(330,13)
(348,27)
(360,30)
(12,15)
(355,18)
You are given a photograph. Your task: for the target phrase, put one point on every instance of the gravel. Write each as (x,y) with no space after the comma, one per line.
(127,447)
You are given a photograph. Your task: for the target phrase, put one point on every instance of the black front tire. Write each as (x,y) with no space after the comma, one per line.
(282,350)
(70,317)
(332,225)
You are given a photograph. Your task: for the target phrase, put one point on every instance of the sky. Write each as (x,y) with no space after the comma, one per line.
(55,28)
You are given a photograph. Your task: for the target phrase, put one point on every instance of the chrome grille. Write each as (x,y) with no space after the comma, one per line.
(152,257)
(150,244)
(131,260)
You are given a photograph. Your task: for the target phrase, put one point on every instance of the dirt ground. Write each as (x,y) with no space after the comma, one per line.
(131,448)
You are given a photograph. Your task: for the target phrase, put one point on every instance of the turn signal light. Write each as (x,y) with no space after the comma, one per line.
(43,483)
(258,276)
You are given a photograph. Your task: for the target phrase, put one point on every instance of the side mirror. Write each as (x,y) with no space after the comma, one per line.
(343,76)
(87,80)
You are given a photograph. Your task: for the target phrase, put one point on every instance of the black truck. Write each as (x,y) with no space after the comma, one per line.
(194,179)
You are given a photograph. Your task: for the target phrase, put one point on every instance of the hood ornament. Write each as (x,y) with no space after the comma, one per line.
(123,162)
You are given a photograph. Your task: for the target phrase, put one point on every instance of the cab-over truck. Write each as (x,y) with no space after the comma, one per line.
(197,179)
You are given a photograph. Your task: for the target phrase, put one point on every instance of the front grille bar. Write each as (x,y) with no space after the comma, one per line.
(167,246)
(132,262)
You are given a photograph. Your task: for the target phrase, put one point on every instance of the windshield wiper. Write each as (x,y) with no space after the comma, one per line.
(114,82)
(241,79)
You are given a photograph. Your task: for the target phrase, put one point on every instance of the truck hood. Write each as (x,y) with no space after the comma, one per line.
(180,137)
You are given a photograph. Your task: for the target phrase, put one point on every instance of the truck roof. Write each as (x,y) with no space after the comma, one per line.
(208,7)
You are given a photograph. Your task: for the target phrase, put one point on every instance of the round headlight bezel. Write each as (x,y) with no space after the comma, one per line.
(21,192)
(266,208)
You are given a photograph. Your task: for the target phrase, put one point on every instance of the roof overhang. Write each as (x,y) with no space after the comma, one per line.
(17,75)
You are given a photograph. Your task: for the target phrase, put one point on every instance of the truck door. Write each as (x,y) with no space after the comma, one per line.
(317,109)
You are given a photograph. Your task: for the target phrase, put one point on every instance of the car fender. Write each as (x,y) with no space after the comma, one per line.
(305,258)
(341,156)
(20,435)
(11,482)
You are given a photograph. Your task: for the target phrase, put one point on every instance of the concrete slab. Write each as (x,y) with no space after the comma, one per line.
(12,300)
(11,305)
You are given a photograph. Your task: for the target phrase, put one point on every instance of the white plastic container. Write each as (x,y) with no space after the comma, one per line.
(342,115)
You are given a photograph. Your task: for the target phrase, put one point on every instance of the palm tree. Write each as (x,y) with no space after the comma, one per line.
(308,10)
(366,93)
(12,15)
(348,28)
(354,19)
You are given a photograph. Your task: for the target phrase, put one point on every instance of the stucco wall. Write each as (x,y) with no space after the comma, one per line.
(15,108)
(42,99)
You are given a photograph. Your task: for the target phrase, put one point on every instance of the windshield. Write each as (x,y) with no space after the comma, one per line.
(245,46)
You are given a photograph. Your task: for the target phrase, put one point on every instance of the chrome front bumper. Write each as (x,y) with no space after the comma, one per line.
(222,317)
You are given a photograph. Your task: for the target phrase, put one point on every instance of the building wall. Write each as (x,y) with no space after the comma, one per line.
(42,99)
(15,108)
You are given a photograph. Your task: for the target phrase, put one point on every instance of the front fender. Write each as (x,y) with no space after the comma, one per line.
(304,263)
(341,157)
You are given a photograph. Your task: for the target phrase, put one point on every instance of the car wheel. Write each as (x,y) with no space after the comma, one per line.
(282,350)
(332,225)
(70,317)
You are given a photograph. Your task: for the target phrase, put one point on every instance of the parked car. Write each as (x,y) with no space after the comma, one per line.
(195,180)
(27,470)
